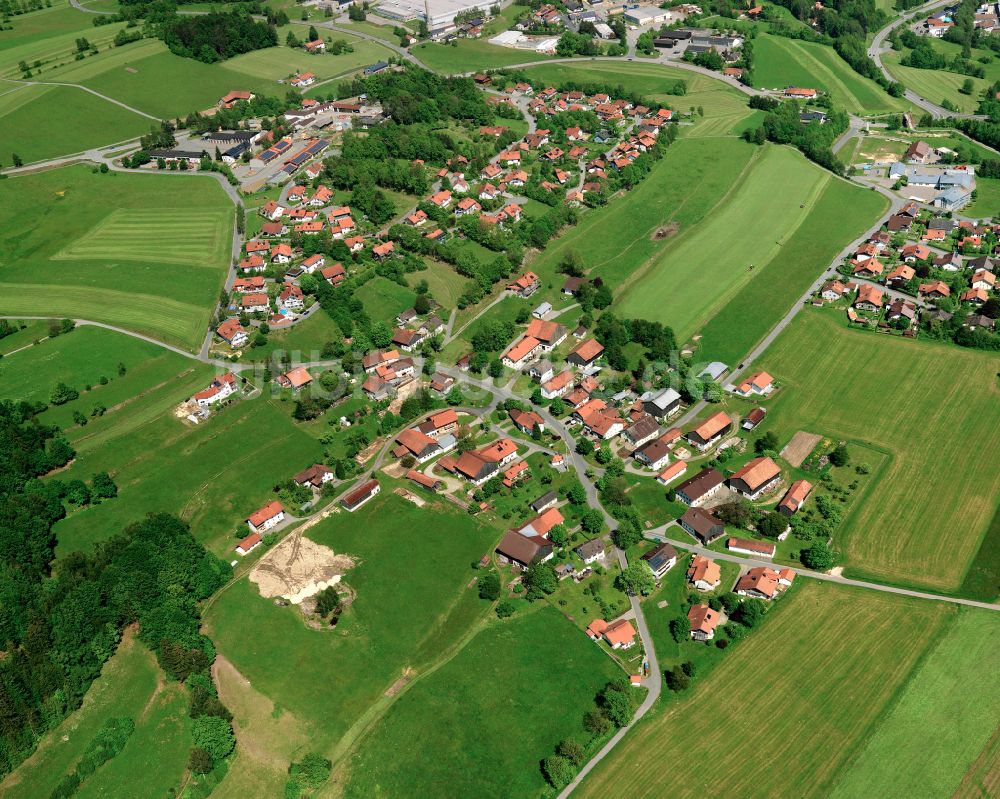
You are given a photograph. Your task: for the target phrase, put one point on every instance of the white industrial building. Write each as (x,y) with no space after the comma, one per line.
(436,13)
(649,15)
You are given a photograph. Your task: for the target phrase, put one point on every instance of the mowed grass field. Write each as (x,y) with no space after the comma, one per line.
(130,685)
(469,55)
(25,110)
(944,719)
(705,266)
(932,408)
(937,84)
(412,605)
(145,252)
(212,475)
(501,705)
(724,107)
(783,712)
(841,214)
(779,62)
(80,359)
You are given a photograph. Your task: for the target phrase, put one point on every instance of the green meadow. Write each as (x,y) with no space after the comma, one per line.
(502,704)
(938,85)
(413,604)
(145,252)
(26,110)
(923,403)
(779,62)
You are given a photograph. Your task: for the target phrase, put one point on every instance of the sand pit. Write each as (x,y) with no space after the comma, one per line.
(297,568)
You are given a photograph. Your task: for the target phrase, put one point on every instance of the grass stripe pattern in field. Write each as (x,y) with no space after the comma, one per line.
(783,712)
(168,235)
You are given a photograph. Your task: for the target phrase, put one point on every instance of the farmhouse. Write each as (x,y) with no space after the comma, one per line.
(644,428)
(316,476)
(585,353)
(654,454)
(360,495)
(415,443)
(522,551)
(542,524)
(440,424)
(265,518)
(710,431)
(754,479)
(702,525)
(703,621)
(425,481)
(747,546)
(249,543)
(794,497)
(661,559)
(662,403)
(704,573)
(763,582)
(699,489)
(295,379)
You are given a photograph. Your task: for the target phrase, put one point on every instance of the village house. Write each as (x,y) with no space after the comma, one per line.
(833,291)
(360,495)
(643,428)
(542,524)
(416,444)
(521,551)
(710,431)
(619,634)
(704,573)
(527,421)
(757,477)
(699,489)
(248,544)
(759,384)
(585,353)
(262,520)
(662,403)
(671,473)
(218,390)
(557,386)
(526,285)
(869,298)
(746,546)
(934,290)
(591,551)
(794,498)
(763,582)
(654,454)
(754,418)
(315,477)
(232,332)
(440,424)
(295,379)
(660,559)
(703,622)
(291,298)
(702,525)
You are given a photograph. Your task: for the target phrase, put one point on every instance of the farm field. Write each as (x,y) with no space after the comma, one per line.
(503,703)
(408,611)
(841,213)
(26,110)
(919,750)
(925,404)
(207,475)
(145,252)
(620,241)
(80,359)
(724,106)
(936,84)
(819,675)
(780,62)
(705,266)
(130,685)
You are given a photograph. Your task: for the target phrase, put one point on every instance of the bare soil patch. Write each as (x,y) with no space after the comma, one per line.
(298,568)
(409,496)
(665,232)
(398,686)
(798,449)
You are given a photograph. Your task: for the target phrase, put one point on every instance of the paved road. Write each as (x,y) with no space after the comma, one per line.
(660,534)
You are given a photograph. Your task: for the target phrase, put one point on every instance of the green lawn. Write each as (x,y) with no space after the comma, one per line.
(987,202)
(619,241)
(155,756)
(928,405)
(706,265)
(518,689)
(212,475)
(803,691)
(304,341)
(32,330)
(444,283)
(80,359)
(411,605)
(277,63)
(841,213)
(145,252)
(938,85)
(724,107)
(384,299)
(942,721)
(28,109)
(779,62)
